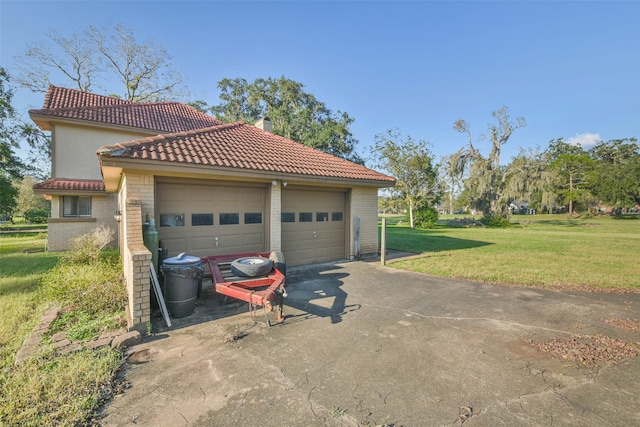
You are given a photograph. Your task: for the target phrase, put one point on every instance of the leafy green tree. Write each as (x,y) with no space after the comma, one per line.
(101,54)
(615,177)
(10,164)
(487,179)
(529,179)
(451,177)
(572,165)
(39,152)
(26,199)
(241,101)
(8,194)
(294,113)
(411,163)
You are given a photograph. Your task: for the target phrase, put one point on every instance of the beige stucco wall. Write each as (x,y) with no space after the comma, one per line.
(60,231)
(74,148)
(364,205)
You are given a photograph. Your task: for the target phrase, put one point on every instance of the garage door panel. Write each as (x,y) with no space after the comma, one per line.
(202,206)
(254,195)
(175,246)
(201,194)
(202,243)
(229,241)
(256,239)
(172,193)
(317,232)
(288,236)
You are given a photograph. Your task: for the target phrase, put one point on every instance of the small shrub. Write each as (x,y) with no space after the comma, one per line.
(86,249)
(494,221)
(36,216)
(425,217)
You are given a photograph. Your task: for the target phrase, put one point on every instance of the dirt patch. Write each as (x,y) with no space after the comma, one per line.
(626,324)
(588,351)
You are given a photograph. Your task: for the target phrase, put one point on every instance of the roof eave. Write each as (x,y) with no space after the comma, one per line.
(45,123)
(60,192)
(113,167)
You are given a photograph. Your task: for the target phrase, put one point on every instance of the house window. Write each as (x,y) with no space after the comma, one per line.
(305,216)
(288,217)
(253,218)
(336,216)
(76,206)
(201,219)
(229,219)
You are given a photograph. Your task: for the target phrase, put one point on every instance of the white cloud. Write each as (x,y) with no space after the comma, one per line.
(585,140)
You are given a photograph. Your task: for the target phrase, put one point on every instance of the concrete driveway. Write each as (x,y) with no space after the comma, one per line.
(366,345)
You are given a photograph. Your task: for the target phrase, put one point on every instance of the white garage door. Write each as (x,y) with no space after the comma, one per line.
(313,226)
(202,219)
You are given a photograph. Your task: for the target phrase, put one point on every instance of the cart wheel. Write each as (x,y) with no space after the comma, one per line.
(278,262)
(251,266)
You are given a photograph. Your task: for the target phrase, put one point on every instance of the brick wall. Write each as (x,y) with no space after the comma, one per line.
(364,205)
(275,226)
(136,258)
(136,201)
(141,187)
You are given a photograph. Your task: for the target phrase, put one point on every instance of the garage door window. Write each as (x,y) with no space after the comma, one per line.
(288,217)
(305,216)
(336,216)
(229,218)
(172,220)
(201,219)
(253,218)
(322,216)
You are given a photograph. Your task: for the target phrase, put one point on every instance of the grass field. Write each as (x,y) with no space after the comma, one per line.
(50,389)
(536,250)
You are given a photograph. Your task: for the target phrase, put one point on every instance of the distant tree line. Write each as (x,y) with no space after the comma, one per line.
(561,178)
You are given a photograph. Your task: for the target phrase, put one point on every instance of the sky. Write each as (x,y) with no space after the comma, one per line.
(570,68)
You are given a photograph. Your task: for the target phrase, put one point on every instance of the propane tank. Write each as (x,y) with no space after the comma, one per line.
(150,239)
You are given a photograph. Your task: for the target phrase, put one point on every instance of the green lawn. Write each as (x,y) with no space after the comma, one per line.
(48,390)
(537,250)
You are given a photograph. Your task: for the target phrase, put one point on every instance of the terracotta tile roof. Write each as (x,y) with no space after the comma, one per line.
(69,185)
(162,117)
(243,147)
(62,97)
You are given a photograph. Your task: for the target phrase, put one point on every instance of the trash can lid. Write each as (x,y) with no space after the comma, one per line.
(182,259)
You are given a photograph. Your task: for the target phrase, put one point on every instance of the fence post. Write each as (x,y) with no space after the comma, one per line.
(383,241)
(357,238)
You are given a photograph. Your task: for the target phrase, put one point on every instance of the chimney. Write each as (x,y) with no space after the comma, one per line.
(264,123)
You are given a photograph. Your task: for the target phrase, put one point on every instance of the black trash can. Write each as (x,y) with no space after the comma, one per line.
(182,274)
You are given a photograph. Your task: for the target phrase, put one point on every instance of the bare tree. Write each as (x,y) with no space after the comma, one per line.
(487,180)
(144,69)
(69,57)
(98,55)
